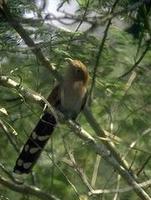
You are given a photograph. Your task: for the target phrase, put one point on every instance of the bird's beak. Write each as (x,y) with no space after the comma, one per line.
(69,60)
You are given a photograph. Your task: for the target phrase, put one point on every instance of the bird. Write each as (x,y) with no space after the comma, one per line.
(69,97)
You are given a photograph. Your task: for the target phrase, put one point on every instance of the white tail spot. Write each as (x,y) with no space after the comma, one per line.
(17,172)
(34,150)
(26,148)
(34,135)
(42,138)
(20,162)
(27,165)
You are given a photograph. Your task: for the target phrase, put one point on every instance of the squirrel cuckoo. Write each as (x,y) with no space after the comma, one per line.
(69,97)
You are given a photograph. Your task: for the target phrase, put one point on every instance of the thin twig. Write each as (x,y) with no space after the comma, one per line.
(99,54)
(24,35)
(8,135)
(95,170)
(117,187)
(80,23)
(66,177)
(144,164)
(100,132)
(137,62)
(84,15)
(72,163)
(9,174)
(121,190)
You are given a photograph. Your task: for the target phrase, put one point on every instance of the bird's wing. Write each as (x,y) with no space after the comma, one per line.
(84,101)
(55,97)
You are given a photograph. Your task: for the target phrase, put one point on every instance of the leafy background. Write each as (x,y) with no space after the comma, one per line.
(122,109)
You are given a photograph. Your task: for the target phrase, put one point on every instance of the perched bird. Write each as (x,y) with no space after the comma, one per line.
(69,97)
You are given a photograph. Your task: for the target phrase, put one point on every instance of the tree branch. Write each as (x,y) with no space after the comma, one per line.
(26,189)
(137,62)
(95,145)
(120,190)
(102,149)
(101,46)
(24,35)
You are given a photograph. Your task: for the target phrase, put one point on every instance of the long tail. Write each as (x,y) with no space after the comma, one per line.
(35,144)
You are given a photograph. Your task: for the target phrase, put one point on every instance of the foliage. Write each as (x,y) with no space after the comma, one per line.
(120,106)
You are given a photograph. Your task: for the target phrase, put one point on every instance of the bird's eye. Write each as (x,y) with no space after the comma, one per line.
(78,70)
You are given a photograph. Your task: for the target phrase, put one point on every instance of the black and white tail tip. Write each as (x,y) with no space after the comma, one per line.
(35,144)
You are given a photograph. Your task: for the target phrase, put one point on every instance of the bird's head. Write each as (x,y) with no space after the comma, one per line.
(77,71)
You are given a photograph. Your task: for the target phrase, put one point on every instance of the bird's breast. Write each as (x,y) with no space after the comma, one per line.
(72,96)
